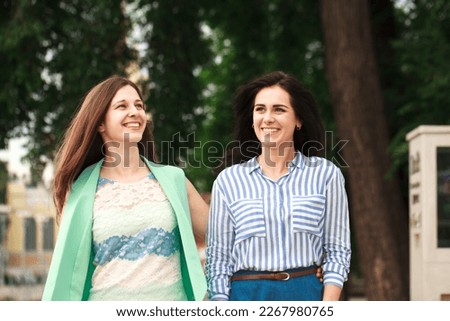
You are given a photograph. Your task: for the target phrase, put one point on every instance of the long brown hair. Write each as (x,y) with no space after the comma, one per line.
(82,145)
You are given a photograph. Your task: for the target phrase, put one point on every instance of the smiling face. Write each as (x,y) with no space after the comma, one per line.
(125,119)
(274,119)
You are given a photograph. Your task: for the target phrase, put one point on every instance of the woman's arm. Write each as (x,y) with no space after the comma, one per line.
(337,248)
(220,241)
(331,292)
(199,212)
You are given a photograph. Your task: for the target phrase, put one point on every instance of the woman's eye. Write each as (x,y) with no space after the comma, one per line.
(139,106)
(121,106)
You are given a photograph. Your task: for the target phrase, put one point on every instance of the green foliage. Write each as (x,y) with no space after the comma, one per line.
(3,182)
(52,52)
(197,54)
(20,52)
(422,49)
(175,56)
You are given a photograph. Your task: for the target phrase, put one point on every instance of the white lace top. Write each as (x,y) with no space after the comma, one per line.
(136,243)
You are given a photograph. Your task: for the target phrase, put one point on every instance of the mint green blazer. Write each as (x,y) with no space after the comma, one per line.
(70,274)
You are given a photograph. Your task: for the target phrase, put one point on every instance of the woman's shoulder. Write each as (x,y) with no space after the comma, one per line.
(235,170)
(87,172)
(166,169)
(317,161)
(322,164)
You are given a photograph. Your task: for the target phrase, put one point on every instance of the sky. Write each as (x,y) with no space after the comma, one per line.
(13,156)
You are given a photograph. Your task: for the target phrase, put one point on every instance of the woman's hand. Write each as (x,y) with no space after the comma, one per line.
(319,273)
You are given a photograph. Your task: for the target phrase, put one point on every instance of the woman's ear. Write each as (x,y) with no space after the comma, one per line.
(101,128)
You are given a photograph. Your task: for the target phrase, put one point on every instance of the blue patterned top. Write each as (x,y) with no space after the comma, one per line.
(136,243)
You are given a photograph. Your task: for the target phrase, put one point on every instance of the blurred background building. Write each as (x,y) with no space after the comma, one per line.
(27,231)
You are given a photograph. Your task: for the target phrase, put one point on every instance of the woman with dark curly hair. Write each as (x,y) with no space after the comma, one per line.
(279,210)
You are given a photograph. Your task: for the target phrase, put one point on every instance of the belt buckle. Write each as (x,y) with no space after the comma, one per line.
(286,276)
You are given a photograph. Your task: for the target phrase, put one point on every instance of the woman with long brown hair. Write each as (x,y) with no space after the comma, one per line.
(126,222)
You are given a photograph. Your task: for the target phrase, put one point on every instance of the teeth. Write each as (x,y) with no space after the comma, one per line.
(269,129)
(132,125)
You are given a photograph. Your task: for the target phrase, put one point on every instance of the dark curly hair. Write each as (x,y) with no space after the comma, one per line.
(245,145)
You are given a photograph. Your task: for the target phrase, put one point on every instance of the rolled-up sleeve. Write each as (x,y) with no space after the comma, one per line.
(220,239)
(337,248)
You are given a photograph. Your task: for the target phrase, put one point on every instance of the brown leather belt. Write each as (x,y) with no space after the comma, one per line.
(282,276)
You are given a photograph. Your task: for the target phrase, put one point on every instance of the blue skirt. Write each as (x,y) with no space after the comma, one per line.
(303,288)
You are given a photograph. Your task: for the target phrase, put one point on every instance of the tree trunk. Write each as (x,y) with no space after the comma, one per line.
(377,211)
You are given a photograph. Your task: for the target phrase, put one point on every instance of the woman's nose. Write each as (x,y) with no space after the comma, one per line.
(133,111)
(268,117)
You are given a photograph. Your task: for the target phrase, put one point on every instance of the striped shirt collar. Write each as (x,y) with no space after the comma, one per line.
(298,161)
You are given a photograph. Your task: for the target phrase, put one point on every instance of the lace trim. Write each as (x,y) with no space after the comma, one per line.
(102,181)
(113,195)
(150,241)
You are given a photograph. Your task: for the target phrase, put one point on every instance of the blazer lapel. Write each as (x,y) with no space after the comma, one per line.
(81,282)
(70,266)
(172,193)
(193,276)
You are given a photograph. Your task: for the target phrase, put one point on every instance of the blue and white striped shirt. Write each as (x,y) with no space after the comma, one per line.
(260,224)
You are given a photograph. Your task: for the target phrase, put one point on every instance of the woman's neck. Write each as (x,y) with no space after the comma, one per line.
(274,162)
(123,164)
